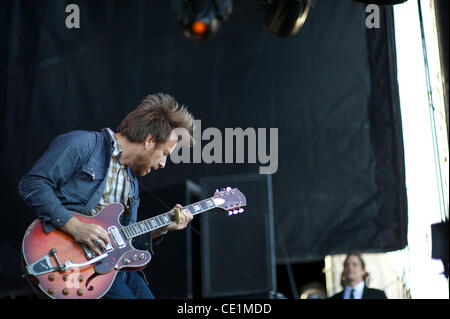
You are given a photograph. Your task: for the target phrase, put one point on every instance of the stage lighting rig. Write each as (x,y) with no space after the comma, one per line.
(382,2)
(284,18)
(201,19)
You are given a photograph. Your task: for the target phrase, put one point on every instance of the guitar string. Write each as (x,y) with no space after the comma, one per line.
(224,254)
(67,251)
(155,221)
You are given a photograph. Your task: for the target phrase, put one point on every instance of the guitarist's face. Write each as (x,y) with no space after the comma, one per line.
(153,156)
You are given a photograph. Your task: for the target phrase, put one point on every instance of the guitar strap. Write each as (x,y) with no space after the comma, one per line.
(126,191)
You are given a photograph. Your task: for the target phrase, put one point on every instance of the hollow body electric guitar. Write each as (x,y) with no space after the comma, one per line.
(60,268)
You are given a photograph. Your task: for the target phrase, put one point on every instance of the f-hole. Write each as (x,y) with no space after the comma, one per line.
(90,288)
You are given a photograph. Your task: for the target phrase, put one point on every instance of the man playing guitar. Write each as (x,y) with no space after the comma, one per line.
(84,172)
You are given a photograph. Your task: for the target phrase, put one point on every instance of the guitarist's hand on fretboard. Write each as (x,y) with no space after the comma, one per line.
(182,217)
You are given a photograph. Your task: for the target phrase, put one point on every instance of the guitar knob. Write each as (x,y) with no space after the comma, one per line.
(142,256)
(80,292)
(65,291)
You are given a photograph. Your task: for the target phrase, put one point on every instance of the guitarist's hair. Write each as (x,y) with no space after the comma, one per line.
(157,114)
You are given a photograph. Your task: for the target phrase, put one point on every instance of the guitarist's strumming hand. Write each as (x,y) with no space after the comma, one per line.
(91,235)
(182,218)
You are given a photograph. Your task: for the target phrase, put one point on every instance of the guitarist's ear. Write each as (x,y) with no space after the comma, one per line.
(149,142)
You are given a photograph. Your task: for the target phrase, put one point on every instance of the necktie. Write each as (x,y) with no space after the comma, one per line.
(352,294)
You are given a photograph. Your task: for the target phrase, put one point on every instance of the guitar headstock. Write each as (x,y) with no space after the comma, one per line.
(230,199)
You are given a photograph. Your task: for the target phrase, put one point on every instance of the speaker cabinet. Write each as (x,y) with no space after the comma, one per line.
(237,251)
(172,271)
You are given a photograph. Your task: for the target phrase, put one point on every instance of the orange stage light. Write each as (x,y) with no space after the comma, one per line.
(199,27)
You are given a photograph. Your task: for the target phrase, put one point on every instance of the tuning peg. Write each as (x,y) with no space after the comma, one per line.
(228,188)
(235,211)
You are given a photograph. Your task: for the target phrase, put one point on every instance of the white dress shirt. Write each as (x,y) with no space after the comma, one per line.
(358,291)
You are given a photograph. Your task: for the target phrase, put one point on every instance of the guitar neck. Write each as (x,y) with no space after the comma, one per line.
(165,219)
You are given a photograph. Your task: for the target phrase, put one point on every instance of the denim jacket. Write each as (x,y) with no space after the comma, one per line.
(70,177)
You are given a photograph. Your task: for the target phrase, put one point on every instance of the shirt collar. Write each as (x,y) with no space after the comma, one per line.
(359,289)
(115,144)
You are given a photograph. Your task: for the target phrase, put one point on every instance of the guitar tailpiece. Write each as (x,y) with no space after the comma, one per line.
(44,265)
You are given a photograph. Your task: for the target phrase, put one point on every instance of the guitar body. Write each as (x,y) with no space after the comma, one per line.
(51,259)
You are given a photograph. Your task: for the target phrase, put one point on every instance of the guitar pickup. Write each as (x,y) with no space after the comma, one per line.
(116,237)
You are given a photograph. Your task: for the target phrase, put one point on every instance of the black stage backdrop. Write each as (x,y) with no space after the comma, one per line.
(330,90)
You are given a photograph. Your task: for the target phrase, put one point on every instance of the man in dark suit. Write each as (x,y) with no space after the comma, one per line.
(353,280)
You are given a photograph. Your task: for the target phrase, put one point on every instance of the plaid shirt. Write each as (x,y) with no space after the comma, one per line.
(117,177)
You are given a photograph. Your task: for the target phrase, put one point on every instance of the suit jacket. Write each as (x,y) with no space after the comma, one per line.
(368,293)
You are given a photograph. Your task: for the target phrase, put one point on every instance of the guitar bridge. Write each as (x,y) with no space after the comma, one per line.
(88,252)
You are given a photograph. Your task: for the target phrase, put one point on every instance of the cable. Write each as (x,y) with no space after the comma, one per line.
(431,110)
(289,270)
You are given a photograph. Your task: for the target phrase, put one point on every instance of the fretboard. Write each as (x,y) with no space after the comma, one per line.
(165,219)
